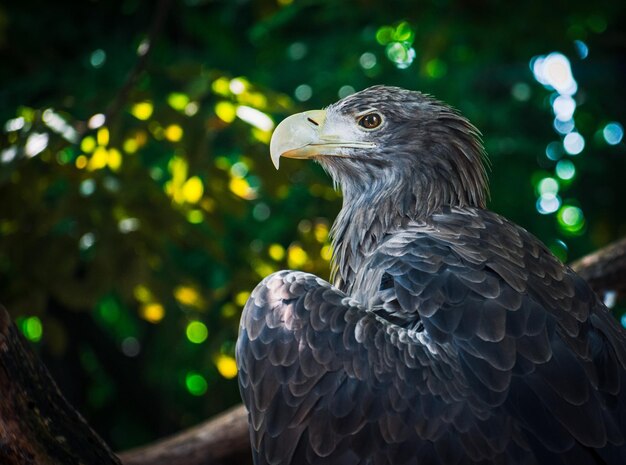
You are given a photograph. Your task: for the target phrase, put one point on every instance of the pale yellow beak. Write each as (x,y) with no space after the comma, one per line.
(305,135)
(297,136)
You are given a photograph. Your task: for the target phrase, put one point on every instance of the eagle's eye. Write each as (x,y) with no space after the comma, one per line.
(370,121)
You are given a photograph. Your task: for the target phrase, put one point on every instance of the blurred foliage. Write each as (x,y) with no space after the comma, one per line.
(139,208)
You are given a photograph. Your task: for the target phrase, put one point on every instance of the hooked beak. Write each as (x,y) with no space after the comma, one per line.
(304,135)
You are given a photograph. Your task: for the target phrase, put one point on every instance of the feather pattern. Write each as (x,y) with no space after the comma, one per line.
(451,336)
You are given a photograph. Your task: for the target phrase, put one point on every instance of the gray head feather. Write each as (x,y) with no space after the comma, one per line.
(427,157)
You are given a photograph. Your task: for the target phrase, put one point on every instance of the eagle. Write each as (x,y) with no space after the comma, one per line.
(449,335)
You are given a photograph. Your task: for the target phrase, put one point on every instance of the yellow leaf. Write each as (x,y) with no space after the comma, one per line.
(195,216)
(241,298)
(296,256)
(173,133)
(241,188)
(81,162)
(152,312)
(193,189)
(115,159)
(103,136)
(88,144)
(98,160)
(276,252)
(226,111)
(130,146)
(187,295)
(321,232)
(221,86)
(262,136)
(178,101)
(142,110)
(326,253)
(227,366)
(142,293)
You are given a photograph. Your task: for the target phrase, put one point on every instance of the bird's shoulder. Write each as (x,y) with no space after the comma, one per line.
(487,253)
(470,273)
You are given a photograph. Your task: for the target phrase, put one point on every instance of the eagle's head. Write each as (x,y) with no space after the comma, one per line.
(386,144)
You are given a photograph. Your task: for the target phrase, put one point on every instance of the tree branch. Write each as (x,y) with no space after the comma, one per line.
(207,443)
(37,425)
(155,29)
(605,269)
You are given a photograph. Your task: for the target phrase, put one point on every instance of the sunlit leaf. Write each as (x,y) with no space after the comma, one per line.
(142,110)
(227,366)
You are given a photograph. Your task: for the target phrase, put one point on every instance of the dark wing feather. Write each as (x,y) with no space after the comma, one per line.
(327,381)
(344,386)
(532,339)
(476,346)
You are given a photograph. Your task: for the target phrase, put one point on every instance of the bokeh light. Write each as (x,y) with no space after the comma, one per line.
(573,143)
(613,133)
(152,312)
(97,58)
(564,127)
(36,143)
(564,107)
(197,332)
(367,60)
(398,41)
(296,256)
(554,71)
(297,51)
(32,328)
(582,49)
(303,92)
(344,91)
(565,169)
(178,101)
(142,110)
(130,346)
(554,150)
(96,121)
(571,219)
(276,252)
(195,383)
(548,186)
(227,366)
(521,91)
(254,117)
(187,295)
(548,203)
(127,225)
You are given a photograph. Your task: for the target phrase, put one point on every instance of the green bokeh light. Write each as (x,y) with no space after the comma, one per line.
(97,58)
(195,383)
(571,219)
(436,68)
(109,310)
(178,101)
(197,332)
(384,35)
(404,33)
(32,328)
(565,170)
(548,186)
(401,54)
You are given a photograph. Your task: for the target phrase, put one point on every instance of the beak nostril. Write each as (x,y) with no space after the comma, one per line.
(312,121)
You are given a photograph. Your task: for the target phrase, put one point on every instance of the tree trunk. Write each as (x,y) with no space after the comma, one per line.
(38,426)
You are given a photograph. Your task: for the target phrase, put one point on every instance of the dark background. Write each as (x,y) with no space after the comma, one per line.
(128,246)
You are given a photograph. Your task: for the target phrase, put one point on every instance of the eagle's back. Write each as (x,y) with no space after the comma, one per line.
(462,340)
